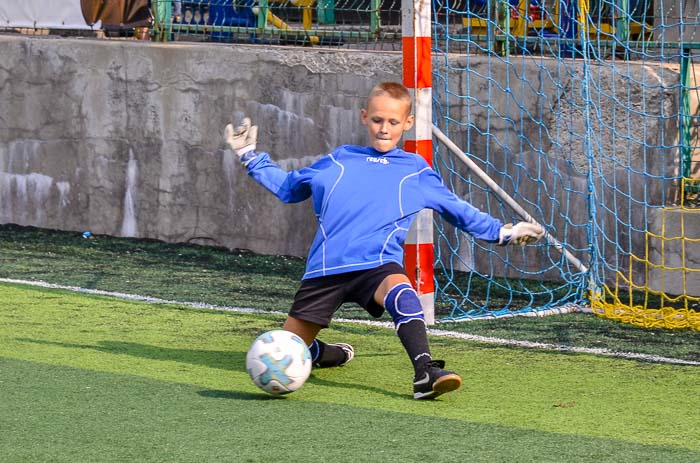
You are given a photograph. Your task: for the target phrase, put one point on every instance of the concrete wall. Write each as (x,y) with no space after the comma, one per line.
(125,138)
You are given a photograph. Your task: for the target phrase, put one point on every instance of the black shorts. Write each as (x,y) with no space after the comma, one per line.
(319,298)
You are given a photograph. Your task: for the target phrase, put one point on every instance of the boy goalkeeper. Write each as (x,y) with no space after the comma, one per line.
(365,199)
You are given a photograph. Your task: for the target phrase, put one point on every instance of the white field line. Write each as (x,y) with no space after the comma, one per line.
(388,325)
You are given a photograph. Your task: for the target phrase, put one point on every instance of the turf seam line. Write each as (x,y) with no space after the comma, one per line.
(434,332)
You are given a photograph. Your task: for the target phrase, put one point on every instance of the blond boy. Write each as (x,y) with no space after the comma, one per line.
(365,199)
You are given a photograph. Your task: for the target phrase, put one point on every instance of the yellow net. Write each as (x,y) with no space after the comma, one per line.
(669,294)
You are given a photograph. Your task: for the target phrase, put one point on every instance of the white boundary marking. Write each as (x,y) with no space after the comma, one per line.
(388,325)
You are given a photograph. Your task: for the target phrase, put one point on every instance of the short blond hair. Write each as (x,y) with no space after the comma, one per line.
(394,90)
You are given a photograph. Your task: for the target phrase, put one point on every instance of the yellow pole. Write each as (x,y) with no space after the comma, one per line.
(307,18)
(280,24)
(583,9)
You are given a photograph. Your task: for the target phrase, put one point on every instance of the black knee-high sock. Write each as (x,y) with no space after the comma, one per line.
(415,340)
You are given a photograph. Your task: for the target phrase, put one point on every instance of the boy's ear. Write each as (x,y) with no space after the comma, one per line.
(409,122)
(363,116)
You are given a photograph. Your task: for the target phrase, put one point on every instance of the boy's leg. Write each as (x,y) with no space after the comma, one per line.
(407,313)
(322,355)
(398,297)
(312,309)
(305,330)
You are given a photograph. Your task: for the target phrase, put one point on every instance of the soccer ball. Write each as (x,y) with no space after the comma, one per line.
(278,362)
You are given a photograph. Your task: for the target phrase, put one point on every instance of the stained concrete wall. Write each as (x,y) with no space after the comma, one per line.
(125,138)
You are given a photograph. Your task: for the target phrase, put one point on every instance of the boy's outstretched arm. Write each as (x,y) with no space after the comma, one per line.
(466,217)
(289,187)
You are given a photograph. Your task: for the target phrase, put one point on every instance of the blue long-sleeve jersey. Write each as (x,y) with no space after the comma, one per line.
(365,202)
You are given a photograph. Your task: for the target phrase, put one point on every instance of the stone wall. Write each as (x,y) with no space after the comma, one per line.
(125,138)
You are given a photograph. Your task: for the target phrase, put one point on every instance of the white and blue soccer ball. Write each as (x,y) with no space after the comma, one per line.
(278,362)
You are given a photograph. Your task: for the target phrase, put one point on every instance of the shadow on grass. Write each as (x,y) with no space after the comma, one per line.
(225,360)
(237,395)
(354,386)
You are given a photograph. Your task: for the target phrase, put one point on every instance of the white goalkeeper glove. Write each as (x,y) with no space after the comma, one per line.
(242,140)
(521,233)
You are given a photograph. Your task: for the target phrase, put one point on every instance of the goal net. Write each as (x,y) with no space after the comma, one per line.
(586,114)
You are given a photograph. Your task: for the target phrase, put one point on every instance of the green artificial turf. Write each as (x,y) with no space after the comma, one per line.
(243,279)
(90,378)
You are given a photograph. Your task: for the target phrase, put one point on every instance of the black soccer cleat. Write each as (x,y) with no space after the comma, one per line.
(333,361)
(349,352)
(435,381)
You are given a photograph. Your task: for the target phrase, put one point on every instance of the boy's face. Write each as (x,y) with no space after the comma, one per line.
(386,119)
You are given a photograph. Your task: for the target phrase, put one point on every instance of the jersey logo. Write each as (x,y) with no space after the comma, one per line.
(377,160)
